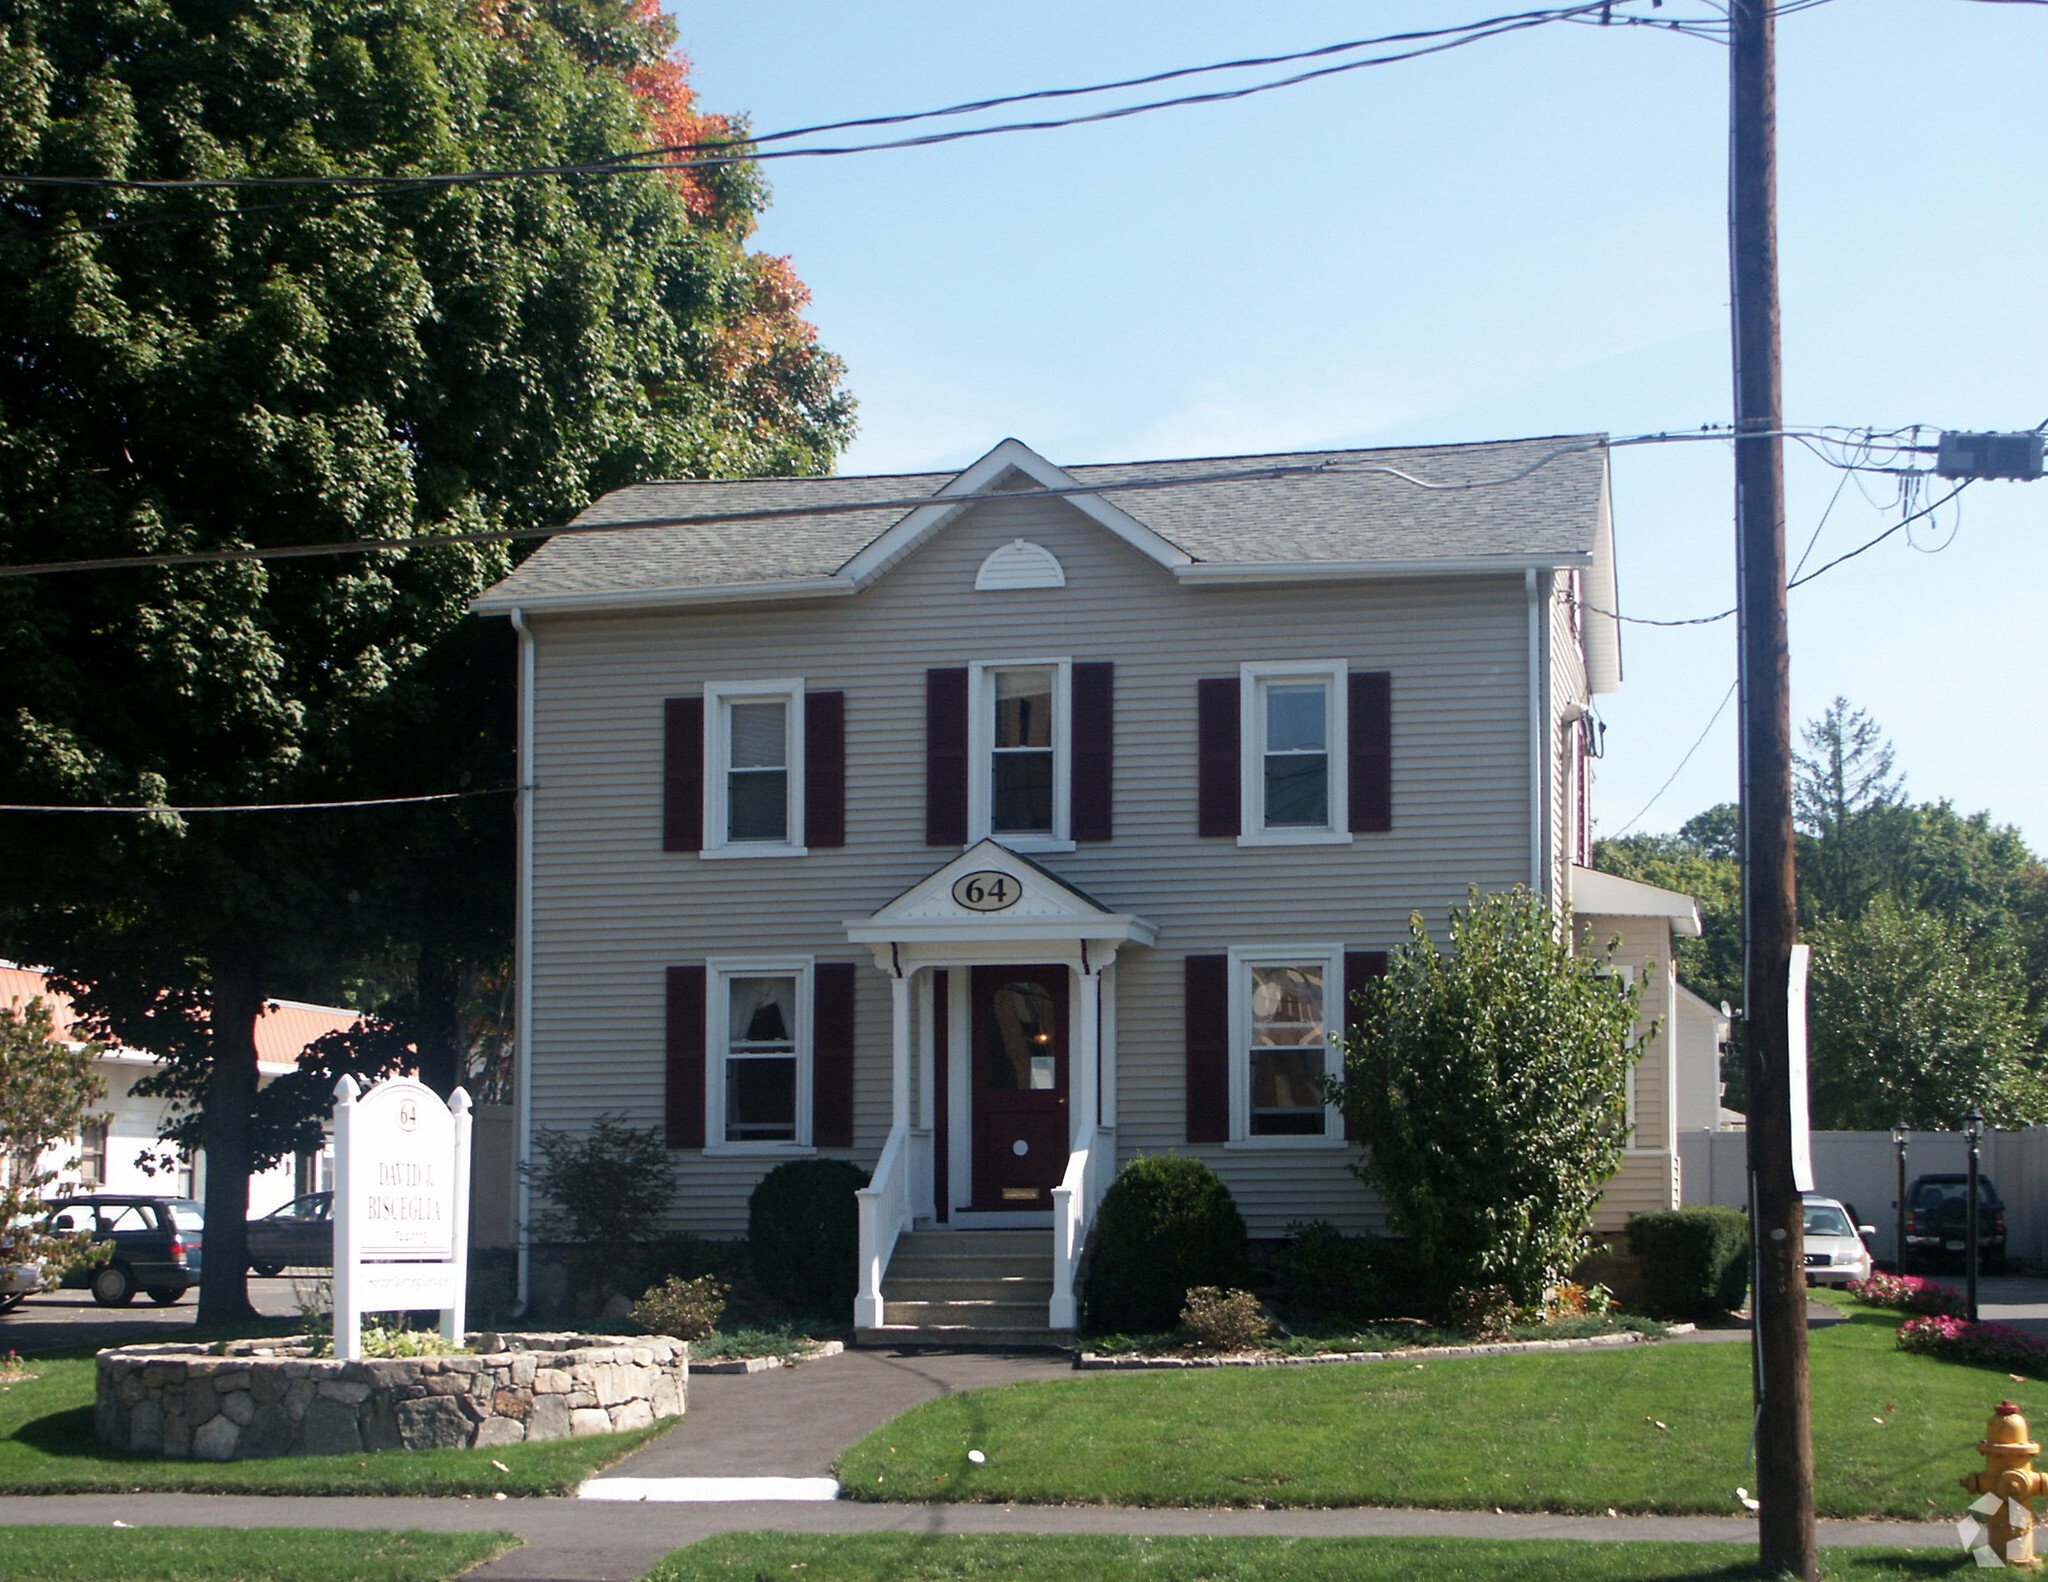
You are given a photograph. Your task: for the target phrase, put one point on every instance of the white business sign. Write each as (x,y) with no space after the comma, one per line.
(401,1205)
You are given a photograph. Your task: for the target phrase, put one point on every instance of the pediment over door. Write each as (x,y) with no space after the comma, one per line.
(990,895)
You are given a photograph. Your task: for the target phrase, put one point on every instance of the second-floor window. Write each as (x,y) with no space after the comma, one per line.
(1018,777)
(1294,752)
(754,759)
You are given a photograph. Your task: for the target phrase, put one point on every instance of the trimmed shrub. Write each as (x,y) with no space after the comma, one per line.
(1324,1271)
(1695,1260)
(1166,1225)
(1224,1320)
(803,1235)
(683,1309)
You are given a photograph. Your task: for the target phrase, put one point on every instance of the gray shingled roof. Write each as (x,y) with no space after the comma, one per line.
(1337,516)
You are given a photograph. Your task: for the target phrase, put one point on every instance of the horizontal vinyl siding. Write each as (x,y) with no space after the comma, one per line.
(613,910)
(1648,1178)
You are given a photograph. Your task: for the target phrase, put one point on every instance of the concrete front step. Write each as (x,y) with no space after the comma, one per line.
(973,1288)
(966,1337)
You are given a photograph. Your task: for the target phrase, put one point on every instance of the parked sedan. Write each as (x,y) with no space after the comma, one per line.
(1835,1248)
(299,1235)
(157,1243)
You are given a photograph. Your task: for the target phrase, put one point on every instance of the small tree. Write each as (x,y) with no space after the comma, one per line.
(1488,1084)
(46,1088)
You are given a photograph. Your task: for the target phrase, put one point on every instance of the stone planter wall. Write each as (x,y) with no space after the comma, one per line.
(254,1399)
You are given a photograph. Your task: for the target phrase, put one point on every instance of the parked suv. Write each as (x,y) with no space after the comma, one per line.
(1937,1219)
(156,1241)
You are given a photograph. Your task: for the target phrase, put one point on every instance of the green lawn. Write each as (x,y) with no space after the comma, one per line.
(217,1554)
(910,1557)
(47,1447)
(1646,1429)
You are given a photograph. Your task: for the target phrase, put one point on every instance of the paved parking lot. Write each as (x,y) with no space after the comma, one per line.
(2020,1300)
(72,1318)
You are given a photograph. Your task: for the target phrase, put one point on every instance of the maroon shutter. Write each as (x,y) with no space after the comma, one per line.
(945,757)
(1092,740)
(1358,966)
(1216,751)
(825,769)
(1207,999)
(685,1063)
(682,774)
(1372,751)
(832,1054)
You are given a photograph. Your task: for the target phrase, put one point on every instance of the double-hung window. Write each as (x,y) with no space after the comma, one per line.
(1286,1013)
(754,744)
(1019,743)
(1293,755)
(758,1079)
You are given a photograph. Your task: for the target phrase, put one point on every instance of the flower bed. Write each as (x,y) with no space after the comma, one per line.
(254,1399)
(1956,1339)
(1907,1293)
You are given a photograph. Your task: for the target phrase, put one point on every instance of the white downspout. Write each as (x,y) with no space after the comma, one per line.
(522,1048)
(1539,803)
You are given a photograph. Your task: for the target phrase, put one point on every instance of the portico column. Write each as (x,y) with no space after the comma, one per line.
(1088,1086)
(899,1051)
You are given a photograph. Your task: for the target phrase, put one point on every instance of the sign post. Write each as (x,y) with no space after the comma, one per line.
(401,1206)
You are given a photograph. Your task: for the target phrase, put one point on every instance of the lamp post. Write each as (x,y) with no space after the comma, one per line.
(1976,1136)
(1899,1142)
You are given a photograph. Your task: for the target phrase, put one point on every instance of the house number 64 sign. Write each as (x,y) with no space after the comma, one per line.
(986,891)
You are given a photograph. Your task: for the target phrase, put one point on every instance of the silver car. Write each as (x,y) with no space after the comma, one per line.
(1835,1249)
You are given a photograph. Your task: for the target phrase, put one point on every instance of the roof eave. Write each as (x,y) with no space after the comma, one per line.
(609,600)
(1216,571)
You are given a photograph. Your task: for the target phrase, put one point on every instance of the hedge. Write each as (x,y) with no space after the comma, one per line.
(1695,1261)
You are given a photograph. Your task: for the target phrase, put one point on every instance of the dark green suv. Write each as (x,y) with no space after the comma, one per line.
(156,1241)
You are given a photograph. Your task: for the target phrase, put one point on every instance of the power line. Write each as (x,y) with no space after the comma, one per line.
(1673,777)
(361,546)
(152,809)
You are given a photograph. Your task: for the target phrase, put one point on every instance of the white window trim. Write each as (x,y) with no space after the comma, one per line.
(719,973)
(719,696)
(981,737)
(1242,959)
(1251,755)
(1627,974)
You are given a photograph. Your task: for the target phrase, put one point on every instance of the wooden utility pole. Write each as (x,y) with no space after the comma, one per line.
(1784,1425)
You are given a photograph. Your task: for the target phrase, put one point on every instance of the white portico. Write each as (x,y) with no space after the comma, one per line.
(1003,1061)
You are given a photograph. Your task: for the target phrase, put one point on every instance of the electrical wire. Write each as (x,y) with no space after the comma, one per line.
(152,809)
(1672,779)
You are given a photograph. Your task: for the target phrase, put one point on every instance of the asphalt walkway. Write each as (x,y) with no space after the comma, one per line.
(793,1423)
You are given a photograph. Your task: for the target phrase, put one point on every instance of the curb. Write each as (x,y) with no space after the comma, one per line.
(1503,1348)
(825,1348)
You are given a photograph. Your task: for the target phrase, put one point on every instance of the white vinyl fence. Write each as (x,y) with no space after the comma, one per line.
(1862,1168)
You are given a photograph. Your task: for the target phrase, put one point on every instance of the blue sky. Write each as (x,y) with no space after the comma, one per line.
(1522,237)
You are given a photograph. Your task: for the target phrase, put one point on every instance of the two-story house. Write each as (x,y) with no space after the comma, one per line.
(990,828)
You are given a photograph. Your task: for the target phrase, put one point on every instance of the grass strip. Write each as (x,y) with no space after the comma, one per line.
(219,1554)
(47,1447)
(912,1557)
(1644,1429)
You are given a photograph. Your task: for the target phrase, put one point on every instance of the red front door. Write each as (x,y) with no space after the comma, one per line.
(1018,1048)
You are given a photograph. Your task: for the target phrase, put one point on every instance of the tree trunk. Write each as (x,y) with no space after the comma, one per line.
(437,1026)
(224,1133)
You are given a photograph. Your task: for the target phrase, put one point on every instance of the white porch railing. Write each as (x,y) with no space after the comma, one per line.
(888,1204)
(1090,1168)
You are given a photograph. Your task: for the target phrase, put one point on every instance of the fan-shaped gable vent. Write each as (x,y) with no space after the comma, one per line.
(1019,564)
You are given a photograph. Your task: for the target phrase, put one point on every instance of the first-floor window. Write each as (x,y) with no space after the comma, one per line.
(759,1077)
(92,1151)
(1287,1010)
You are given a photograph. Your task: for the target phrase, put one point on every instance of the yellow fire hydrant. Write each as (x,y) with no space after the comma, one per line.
(2010,1479)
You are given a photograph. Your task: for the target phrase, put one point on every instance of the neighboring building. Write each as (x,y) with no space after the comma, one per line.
(124,1125)
(990,835)
(1703,1026)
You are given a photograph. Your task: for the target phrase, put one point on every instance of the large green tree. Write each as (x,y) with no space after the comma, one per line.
(1489,1086)
(200,368)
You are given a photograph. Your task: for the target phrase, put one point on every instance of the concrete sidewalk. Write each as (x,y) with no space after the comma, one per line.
(574,1541)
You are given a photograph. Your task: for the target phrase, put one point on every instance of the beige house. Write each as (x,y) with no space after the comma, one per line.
(990,828)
